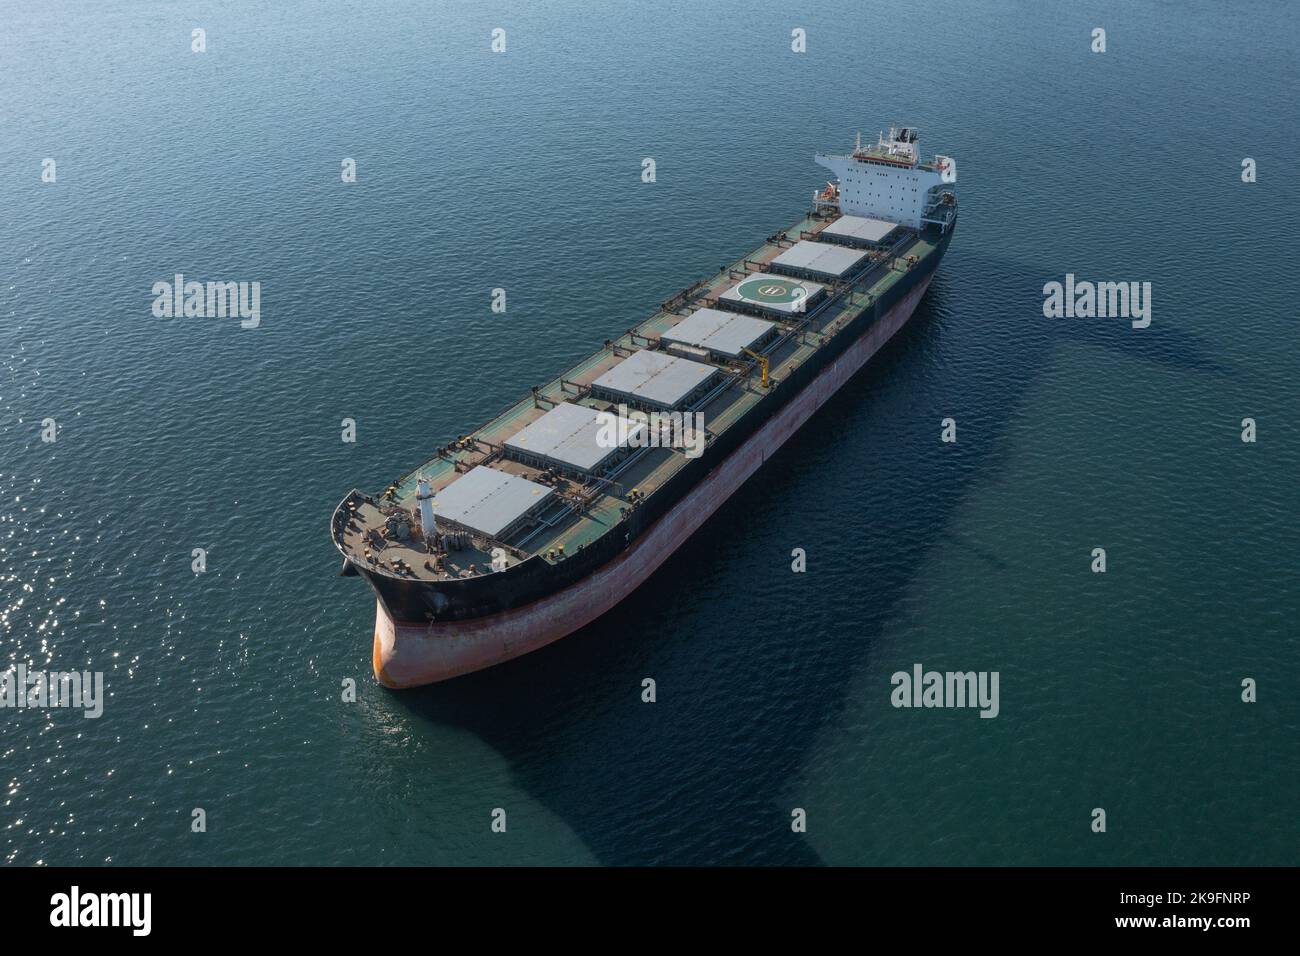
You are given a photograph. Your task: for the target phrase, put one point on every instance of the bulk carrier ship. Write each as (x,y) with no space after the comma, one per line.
(546,517)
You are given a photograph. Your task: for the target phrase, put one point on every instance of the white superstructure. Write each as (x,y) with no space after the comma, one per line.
(887,181)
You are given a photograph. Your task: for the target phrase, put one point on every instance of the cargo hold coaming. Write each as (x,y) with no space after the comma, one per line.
(558,522)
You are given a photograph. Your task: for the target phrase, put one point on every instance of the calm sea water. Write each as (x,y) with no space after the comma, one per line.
(522,171)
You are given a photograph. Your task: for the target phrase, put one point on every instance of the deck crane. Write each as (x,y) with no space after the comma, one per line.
(762,364)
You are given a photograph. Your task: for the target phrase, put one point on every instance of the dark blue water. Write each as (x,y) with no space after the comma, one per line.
(522,171)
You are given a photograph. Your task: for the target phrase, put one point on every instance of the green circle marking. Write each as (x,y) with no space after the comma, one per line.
(771,289)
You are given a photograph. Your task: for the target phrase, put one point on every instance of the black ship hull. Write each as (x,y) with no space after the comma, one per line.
(414,603)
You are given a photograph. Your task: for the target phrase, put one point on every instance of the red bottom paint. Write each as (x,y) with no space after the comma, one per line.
(408,655)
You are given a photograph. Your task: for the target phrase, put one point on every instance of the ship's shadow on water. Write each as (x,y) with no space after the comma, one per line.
(750,668)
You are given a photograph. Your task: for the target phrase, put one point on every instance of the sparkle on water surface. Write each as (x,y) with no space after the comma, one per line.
(522,171)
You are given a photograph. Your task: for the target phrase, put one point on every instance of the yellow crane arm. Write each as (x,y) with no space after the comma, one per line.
(762,363)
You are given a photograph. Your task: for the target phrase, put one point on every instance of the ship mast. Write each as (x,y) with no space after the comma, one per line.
(428,523)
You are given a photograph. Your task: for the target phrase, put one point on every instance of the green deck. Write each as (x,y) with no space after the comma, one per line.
(649,469)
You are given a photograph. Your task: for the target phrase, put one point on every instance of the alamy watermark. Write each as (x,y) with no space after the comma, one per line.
(208,300)
(22,689)
(922,688)
(630,428)
(1104,300)
(75,909)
